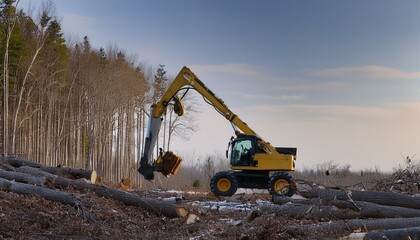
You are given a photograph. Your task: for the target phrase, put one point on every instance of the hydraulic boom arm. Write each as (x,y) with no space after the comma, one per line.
(187,78)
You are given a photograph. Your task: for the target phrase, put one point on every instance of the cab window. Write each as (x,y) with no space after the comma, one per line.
(241,154)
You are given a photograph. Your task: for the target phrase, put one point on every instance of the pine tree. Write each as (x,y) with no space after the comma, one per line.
(160,83)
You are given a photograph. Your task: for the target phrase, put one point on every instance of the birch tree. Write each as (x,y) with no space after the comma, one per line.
(8,21)
(39,37)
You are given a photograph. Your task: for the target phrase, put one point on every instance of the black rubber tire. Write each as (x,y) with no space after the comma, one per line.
(290,189)
(226,177)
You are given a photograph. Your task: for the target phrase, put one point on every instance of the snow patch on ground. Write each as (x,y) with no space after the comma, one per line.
(223,206)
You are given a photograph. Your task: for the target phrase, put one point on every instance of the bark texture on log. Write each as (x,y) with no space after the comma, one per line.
(160,207)
(22,177)
(17,162)
(49,194)
(73,173)
(299,211)
(412,233)
(382,198)
(357,224)
(339,209)
(55,180)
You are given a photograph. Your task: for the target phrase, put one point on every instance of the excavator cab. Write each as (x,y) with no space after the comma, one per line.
(242,151)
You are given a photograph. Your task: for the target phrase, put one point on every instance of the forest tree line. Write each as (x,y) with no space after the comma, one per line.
(70,104)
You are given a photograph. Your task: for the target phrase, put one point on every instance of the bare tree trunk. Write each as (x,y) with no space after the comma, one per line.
(91,124)
(49,130)
(21,91)
(6,90)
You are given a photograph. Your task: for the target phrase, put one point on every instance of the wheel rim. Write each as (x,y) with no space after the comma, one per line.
(223,184)
(281,186)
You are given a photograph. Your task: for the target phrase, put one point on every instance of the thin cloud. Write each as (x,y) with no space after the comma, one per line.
(248,71)
(76,19)
(78,24)
(369,71)
(322,86)
(272,97)
(394,112)
(233,68)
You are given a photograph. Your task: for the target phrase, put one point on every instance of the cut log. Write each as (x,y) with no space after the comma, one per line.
(94,177)
(22,177)
(73,173)
(28,189)
(382,198)
(125,184)
(339,209)
(62,171)
(373,210)
(6,166)
(17,162)
(46,193)
(192,218)
(56,181)
(400,233)
(280,200)
(355,224)
(299,211)
(160,207)
(182,212)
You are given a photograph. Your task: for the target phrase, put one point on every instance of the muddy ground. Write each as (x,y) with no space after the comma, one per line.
(32,217)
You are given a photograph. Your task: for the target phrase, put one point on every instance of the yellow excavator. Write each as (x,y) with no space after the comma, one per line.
(254,162)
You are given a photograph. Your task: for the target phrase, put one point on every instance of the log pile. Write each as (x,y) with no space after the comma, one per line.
(373,214)
(58,184)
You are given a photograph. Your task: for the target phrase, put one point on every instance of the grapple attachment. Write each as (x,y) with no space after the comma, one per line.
(147,171)
(169,163)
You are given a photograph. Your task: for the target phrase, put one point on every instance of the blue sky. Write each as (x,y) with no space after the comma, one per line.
(340,80)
